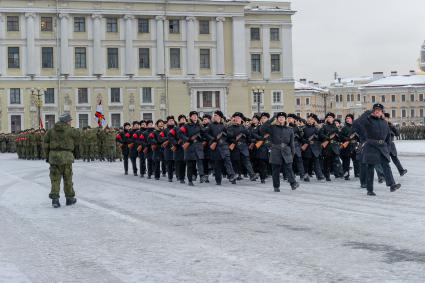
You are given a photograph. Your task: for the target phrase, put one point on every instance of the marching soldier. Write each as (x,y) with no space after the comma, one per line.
(261,147)
(298,140)
(220,154)
(375,148)
(133,146)
(123,138)
(329,135)
(177,149)
(349,144)
(311,148)
(282,149)
(147,151)
(167,147)
(155,139)
(393,150)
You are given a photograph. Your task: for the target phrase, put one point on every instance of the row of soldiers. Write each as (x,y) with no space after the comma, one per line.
(93,144)
(283,144)
(412,132)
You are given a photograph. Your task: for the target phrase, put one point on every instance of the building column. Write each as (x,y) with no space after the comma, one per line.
(239,47)
(129,52)
(287,68)
(266,52)
(30,34)
(220,45)
(160,70)
(97,47)
(190,33)
(2,36)
(65,55)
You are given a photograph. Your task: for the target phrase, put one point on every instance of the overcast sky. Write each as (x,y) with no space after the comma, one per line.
(356,37)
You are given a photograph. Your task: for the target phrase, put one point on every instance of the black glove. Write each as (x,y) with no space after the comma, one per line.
(47,160)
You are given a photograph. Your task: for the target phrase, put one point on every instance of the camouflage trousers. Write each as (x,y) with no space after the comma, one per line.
(57,172)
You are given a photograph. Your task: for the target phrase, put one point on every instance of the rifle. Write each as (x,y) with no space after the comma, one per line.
(260,143)
(174,147)
(213,145)
(233,145)
(310,139)
(165,144)
(326,143)
(346,143)
(192,138)
(154,147)
(146,150)
(139,148)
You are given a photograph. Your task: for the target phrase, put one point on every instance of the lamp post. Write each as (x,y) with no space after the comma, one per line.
(258,91)
(325,95)
(37,93)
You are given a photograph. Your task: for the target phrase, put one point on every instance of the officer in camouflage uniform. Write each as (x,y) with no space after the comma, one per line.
(3,143)
(108,144)
(60,145)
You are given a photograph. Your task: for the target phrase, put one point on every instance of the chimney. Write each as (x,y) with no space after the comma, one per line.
(316,84)
(393,73)
(412,72)
(377,75)
(303,81)
(311,83)
(339,80)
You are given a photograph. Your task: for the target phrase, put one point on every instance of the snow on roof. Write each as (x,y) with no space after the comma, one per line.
(300,86)
(398,81)
(353,80)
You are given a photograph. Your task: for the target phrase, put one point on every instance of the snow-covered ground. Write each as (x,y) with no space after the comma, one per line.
(125,229)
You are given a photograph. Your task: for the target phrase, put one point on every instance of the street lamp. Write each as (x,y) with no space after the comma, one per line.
(258,91)
(37,93)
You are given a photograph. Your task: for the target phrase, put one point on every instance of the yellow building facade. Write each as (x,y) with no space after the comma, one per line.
(141,59)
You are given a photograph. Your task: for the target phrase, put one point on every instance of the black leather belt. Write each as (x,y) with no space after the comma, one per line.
(376,141)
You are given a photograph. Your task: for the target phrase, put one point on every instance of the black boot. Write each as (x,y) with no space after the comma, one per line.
(253,178)
(276,190)
(182,181)
(56,203)
(263,181)
(395,187)
(71,201)
(403,172)
(125,173)
(306,178)
(294,186)
(191,184)
(371,193)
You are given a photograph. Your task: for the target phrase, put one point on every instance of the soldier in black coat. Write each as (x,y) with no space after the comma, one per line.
(375,148)
(155,139)
(238,138)
(147,151)
(206,120)
(282,149)
(123,139)
(216,135)
(349,140)
(133,146)
(298,141)
(311,144)
(329,136)
(140,144)
(262,147)
(166,147)
(177,149)
(192,136)
(394,132)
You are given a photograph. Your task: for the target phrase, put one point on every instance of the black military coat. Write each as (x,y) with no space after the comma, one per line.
(217,133)
(325,133)
(282,145)
(311,136)
(241,148)
(192,133)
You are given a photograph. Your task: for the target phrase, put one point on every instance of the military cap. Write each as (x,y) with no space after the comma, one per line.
(65,118)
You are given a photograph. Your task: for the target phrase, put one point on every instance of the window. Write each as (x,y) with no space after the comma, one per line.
(421,112)
(79,24)
(175,58)
(298,101)
(111,24)
(358,97)
(373,99)
(174,26)
(275,62)
(274,34)
(112,58)
(147,116)
(412,113)
(143,25)
(393,98)
(255,33)
(15,123)
(49,96)
(144,62)
(15,96)
(403,98)
(352,97)
(393,113)
(257,97)
(147,95)
(80,58)
(412,97)
(47,57)
(208,99)
(383,98)
(83,96)
(256,63)
(340,98)
(116,120)
(403,113)
(46,24)
(204,59)
(115,95)
(49,121)
(337,98)
(12,23)
(83,120)
(13,57)
(421,97)
(204,27)
(307,101)
(276,97)
(348,97)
